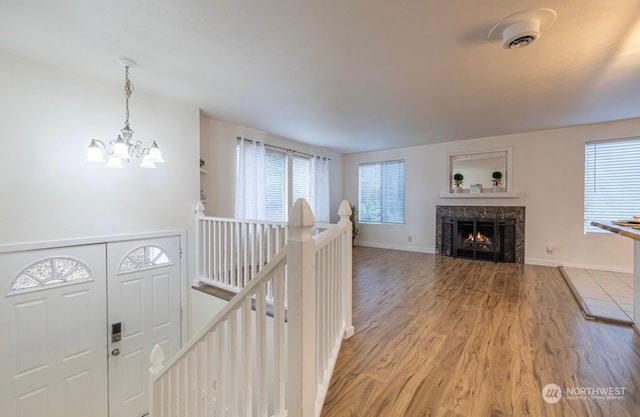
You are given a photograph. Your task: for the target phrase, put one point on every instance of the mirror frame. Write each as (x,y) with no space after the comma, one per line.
(482,154)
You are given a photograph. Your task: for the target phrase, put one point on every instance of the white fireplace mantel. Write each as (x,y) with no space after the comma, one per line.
(481,195)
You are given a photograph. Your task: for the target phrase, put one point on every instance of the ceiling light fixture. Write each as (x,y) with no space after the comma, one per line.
(123,148)
(522,28)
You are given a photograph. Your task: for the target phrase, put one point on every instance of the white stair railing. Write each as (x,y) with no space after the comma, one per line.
(231,252)
(267,355)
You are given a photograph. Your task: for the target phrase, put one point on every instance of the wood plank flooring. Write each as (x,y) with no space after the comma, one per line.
(437,336)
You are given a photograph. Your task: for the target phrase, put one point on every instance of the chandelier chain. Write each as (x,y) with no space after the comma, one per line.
(128,90)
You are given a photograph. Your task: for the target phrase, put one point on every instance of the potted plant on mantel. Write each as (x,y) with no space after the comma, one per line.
(457,181)
(354,227)
(497,180)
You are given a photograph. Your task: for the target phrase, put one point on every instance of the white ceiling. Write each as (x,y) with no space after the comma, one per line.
(350,75)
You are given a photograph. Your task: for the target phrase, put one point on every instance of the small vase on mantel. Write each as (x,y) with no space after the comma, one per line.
(457,189)
(496,188)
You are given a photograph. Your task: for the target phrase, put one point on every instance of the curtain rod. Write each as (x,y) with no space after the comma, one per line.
(283,149)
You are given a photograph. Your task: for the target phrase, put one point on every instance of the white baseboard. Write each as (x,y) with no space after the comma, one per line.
(598,268)
(541,262)
(555,263)
(408,248)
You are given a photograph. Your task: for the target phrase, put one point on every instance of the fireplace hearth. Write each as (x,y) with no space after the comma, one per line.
(479,232)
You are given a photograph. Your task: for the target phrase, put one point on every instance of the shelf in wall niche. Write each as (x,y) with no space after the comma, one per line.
(204,171)
(481,195)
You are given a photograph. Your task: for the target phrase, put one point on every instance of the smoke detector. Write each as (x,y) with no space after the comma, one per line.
(522,28)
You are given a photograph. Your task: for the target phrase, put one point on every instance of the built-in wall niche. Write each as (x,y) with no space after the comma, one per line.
(477,170)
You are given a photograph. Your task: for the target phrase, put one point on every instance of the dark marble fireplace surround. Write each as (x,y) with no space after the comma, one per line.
(500,213)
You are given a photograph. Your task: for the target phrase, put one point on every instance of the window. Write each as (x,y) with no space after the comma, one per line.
(382,192)
(51,272)
(611,181)
(301,178)
(275,185)
(269,181)
(144,257)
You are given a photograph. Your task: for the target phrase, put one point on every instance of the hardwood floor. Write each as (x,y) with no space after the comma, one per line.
(437,336)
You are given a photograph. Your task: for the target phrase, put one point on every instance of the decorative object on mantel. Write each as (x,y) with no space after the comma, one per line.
(497,180)
(457,181)
(475,188)
(123,148)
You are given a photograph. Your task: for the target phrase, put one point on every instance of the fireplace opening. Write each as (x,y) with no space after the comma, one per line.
(478,239)
(484,239)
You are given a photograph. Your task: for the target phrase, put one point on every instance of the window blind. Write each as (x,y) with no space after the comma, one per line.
(301,178)
(275,185)
(381,192)
(611,181)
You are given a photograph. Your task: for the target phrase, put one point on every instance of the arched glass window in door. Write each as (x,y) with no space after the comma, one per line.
(50,272)
(144,257)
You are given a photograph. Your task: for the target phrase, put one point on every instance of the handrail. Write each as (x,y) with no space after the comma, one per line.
(232,304)
(233,367)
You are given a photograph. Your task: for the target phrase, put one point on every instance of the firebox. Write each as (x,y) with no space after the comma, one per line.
(485,239)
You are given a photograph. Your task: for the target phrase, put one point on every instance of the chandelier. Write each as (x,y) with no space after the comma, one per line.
(123,149)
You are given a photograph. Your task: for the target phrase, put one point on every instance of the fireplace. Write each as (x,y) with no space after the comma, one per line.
(485,233)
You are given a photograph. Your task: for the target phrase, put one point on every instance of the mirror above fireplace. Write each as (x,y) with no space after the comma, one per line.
(477,169)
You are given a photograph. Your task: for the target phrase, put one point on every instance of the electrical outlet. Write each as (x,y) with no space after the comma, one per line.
(410,239)
(549,248)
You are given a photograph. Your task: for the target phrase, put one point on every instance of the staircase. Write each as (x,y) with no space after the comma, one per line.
(271,351)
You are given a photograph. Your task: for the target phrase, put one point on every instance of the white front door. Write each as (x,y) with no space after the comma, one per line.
(52,342)
(144,305)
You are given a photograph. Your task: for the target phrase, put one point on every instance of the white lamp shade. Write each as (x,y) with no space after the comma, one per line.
(147,162)
(93,153)
(114,162)
(154,153)
(120,149)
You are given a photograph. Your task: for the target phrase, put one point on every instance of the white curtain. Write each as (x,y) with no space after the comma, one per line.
(319,189)
(250,181)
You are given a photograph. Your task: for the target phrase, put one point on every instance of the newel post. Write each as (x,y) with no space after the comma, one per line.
(156,360)
(301,312)
(199,245)
(344,211)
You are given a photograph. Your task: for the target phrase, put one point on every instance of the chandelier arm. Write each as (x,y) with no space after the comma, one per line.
(103,145)
(137,150)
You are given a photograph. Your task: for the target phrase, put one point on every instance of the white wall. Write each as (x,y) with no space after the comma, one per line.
(48,192)
(218,149)
(548,169)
